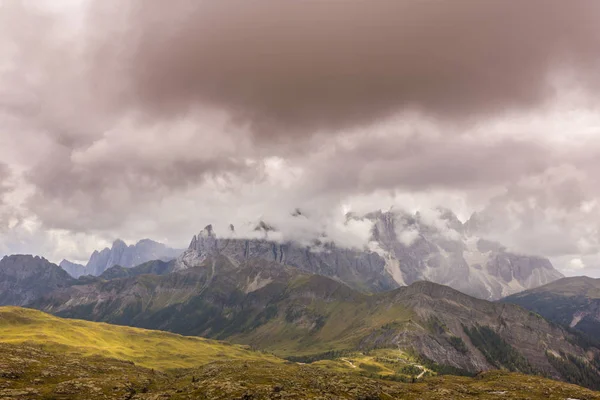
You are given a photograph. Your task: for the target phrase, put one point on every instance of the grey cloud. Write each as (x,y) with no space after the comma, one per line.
(288,67)
(6,185)
(552,214)
(157,117)
(419,163)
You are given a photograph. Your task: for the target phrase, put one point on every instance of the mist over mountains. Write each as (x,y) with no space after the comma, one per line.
(420,287)
(402,249)
(394,249)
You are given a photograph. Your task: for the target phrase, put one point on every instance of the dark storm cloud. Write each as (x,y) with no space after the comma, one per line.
(154,118)
(298,66)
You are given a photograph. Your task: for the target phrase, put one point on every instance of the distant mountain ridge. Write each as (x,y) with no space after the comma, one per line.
(122,255)
(407,249)
(73,269)
(573,302)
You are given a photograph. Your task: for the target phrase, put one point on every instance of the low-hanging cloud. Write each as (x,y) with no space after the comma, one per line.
(302,66)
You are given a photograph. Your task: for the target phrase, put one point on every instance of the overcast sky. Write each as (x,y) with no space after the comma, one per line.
(149,118)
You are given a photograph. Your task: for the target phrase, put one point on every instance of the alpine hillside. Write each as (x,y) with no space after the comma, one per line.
(310,317)
(573,302)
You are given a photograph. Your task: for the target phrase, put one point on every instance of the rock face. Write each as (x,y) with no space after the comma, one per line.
(572,302)
(290,313)
(73,269)
(363,270)
(439,248)
(407,248)
(129,256)
(24,278)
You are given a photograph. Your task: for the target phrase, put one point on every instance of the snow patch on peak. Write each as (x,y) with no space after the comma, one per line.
(392,267)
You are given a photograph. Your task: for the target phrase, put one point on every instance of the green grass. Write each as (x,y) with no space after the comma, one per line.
(44,357)
(147,348)
(344,325)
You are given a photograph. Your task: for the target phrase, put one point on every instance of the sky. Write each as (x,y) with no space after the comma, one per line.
(150,119)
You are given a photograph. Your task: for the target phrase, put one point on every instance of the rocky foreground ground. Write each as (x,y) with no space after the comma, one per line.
(30,372)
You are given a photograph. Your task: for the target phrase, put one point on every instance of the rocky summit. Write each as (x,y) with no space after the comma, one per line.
(404,249)
(122,255)
(24,278)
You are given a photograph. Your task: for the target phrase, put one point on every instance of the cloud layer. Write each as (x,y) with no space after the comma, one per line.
(287,67)
(135,118)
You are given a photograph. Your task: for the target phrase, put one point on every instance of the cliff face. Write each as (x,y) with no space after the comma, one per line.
(129,256)
(445,251)
(407,249)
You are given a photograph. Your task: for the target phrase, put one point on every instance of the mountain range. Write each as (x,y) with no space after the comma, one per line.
(122,255)
(405,249)
(309,317)
(421,291)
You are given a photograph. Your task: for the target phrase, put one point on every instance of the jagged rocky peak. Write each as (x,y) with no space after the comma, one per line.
(73,269)
(120,244)
(129,256)
(205,241)
(208,231)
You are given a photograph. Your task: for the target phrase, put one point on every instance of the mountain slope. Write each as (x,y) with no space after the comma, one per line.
(573,302)
(129,256)
(404,249)
(291,313)
(30,372)
(150,349)
(24,278)
(155,267)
